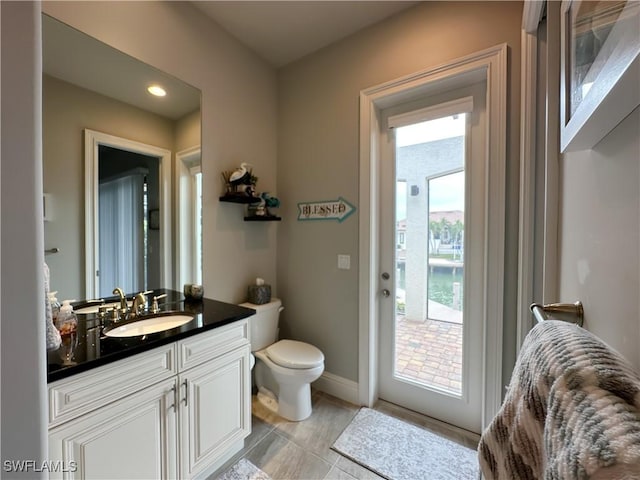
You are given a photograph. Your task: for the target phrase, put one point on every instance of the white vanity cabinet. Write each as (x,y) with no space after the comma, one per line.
(177,411)
(214,398)
(134,437)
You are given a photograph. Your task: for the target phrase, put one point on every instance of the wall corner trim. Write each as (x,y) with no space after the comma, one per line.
(339,387)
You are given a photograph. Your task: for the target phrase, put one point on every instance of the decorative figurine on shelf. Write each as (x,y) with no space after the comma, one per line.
(240,181)
(266,202)
(269,202)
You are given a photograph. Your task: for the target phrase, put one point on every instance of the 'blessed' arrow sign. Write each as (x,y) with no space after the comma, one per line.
(328,210)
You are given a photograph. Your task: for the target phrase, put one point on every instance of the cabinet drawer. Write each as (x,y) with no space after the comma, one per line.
(82,393)
(206,346)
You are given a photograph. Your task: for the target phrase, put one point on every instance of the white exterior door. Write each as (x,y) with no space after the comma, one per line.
(432,243)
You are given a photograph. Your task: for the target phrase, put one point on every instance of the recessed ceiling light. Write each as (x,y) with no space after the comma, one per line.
(157,90)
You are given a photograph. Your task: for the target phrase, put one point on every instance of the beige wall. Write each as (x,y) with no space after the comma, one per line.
(238,112)
(66,111)
(600,236)
(188,131)
(318,159)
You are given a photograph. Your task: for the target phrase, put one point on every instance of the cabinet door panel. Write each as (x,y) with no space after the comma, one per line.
(133,438)
(201,348)
(74,396)
(216,412)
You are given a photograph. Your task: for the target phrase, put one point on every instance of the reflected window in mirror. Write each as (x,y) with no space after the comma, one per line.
(189,216)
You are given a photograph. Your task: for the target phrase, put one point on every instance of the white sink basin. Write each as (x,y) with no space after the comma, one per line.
(148,325)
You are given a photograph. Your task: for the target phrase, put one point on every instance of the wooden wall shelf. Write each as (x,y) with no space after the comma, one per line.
(246,200)
(239,199)
(262,218)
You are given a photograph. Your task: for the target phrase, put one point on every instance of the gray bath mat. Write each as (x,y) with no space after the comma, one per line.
(243,469)
(400,451)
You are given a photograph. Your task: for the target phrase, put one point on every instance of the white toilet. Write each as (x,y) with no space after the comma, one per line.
(284,369)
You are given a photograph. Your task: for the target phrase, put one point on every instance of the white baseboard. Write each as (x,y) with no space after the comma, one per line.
(339,387)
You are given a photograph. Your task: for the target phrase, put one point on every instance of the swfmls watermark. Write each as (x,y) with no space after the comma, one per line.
(52,466)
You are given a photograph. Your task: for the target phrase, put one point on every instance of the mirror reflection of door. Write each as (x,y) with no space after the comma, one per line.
(128,185)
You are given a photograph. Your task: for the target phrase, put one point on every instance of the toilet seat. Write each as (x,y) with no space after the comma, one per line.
(294,354)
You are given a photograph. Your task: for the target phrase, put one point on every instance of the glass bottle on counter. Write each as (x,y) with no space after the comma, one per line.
(55,307)
(67,324)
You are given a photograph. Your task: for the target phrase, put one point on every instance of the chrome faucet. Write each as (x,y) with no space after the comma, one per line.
(123,300)
(139,302)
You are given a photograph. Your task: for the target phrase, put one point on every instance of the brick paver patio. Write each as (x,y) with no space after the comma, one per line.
(430,352)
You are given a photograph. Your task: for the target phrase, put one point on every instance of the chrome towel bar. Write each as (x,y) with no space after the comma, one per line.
(574,309)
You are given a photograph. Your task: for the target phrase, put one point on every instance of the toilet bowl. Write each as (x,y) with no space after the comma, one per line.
(280,377)
(284,369)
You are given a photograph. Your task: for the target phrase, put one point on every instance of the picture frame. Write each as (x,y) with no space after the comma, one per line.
(154,219)
(600,69)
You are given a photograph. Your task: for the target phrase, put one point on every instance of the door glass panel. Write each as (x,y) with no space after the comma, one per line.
(430,217)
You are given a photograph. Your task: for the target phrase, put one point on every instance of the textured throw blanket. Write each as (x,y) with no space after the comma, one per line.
(572,411)
(53,335)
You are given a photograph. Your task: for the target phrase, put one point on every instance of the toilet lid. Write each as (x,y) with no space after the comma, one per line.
(294,354)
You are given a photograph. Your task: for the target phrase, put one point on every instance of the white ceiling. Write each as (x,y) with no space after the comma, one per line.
(282,32)
(79,59)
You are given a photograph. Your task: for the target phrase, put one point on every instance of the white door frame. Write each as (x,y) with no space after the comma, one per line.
(489,65)
(539,151)
(92,142)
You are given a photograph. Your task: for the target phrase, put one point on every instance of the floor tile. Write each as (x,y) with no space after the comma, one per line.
(301,450)
(259,429)
(356,470)
(318,432)
(336,474)
(283,459)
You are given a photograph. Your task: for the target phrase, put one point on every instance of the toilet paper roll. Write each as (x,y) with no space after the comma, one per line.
(259,294)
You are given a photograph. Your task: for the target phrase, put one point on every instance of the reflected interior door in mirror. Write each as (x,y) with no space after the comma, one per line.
(88,85)
(125,180)
(129,248)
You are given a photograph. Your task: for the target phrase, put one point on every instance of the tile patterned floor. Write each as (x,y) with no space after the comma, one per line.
(430,352)
(301,450)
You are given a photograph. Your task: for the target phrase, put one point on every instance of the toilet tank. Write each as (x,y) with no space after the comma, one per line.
(263,326)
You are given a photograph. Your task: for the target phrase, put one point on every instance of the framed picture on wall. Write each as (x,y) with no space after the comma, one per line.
(600,68)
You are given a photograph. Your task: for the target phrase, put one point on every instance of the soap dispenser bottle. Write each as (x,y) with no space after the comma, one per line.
(67,321)
(55,307)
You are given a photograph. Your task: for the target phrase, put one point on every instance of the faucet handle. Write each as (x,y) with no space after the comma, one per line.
(103,310)
(115,314)
(154,305)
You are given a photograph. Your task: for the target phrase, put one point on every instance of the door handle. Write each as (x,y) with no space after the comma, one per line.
(186,392)
(385,292)
(174,391)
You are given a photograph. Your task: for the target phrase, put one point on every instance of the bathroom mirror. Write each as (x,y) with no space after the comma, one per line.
(115,213)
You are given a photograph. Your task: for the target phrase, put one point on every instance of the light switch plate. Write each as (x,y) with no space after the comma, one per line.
(344,262)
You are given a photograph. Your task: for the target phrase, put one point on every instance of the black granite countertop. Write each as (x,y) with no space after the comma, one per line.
(94,349)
